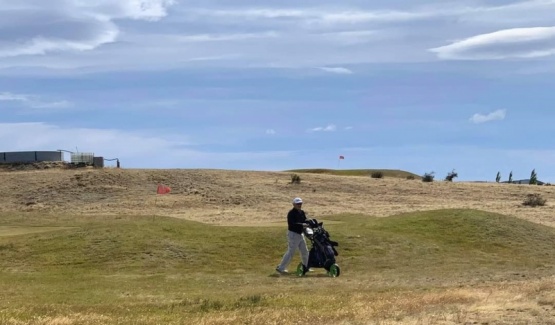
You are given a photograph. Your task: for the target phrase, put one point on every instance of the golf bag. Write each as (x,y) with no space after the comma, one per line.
(322,253)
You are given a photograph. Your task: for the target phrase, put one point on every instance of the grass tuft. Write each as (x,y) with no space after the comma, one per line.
(534,200)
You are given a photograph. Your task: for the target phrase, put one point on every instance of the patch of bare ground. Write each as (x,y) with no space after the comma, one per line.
(252,197)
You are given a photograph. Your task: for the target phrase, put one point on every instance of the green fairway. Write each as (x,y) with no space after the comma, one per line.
(154,270)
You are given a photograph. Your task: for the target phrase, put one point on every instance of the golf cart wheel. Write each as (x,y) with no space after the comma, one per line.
(334,271)
(328,264)
(300,270)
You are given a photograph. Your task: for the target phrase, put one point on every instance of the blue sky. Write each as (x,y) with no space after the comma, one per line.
(422,86)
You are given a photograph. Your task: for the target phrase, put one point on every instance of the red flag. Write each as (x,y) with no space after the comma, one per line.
(341,157)
(163,189)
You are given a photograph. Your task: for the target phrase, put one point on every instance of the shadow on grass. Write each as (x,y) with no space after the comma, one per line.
(294,275)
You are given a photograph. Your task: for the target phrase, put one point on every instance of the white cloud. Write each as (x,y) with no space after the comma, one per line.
(329,128)
(523,14)
(42,45)
(224,37)
(323,16)
(152,10)
(34,28)
(509,43)
(33,101)
(337,70)
(358,16)
(267,13)
(270,131)
(493,116)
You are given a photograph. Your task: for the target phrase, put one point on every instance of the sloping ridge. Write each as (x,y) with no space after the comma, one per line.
(395,173)
(247,197)
(425,246)
(462,240)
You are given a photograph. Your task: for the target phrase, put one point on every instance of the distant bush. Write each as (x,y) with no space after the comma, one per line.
(295,179)
(411,177)
(377,175)
(428,177)
(450,176)
(498,177)
(534,200)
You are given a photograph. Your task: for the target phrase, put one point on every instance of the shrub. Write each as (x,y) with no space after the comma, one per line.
(534,200)
(498,177)
(428,177)
(450,176)
(295,179)
(411,177)
(510,177)
(377,175)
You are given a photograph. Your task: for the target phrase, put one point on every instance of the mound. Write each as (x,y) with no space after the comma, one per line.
(395,173)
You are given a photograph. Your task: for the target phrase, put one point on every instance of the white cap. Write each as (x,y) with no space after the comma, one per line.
(297,200)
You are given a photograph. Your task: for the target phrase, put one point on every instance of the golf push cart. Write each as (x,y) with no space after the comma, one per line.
(322,253)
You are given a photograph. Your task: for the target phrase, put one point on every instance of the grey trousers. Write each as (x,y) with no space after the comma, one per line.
(294,241)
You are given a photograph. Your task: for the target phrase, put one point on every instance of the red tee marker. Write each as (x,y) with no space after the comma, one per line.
(163,189)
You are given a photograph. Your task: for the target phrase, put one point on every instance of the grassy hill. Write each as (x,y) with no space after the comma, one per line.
(250,197)
(152,270)
(99,246)
(358,172)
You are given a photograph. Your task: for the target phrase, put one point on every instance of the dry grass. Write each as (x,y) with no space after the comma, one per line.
(510,303)
(246,197)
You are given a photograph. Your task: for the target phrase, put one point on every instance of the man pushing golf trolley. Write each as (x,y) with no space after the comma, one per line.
(322,252)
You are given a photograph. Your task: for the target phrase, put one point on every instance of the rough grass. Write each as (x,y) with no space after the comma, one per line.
(15,231)
(435,267)
(395,173)
(248,197)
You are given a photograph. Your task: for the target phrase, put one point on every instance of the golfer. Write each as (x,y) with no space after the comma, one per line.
(296,222)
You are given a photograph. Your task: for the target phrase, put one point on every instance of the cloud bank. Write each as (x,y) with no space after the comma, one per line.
(106,35)
(35,27)
(504,44)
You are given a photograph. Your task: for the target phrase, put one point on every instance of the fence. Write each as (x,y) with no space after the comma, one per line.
(86,158)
